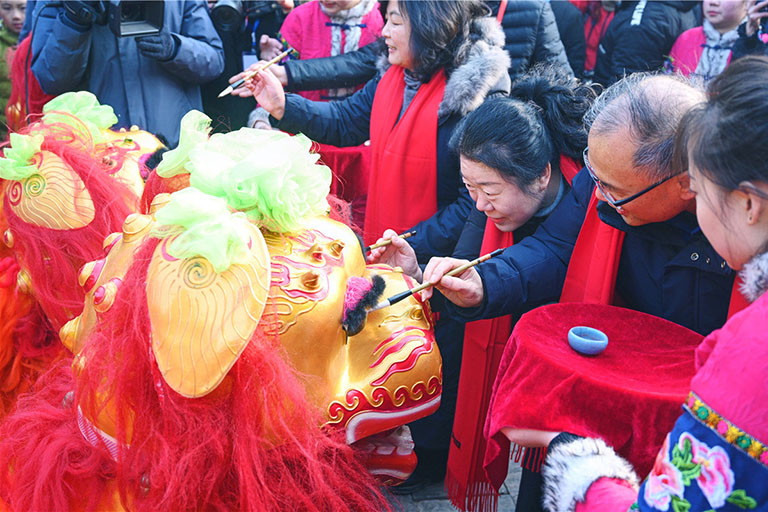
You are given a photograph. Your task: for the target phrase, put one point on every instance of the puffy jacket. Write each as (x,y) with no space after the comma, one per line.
(347,123)
(530,35)
(715,457)
(640,36)
(570,25)
(151,94)
(667,269)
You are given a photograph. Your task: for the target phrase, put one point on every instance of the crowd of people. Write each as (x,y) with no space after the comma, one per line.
(613,150)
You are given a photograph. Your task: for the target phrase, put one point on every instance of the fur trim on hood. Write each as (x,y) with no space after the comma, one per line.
(481,66)
(571,468)
(754,277)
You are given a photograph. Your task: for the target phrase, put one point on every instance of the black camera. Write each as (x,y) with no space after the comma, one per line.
(133,18)
(229,15)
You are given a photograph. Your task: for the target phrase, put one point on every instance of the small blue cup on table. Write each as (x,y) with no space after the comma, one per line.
(587,340)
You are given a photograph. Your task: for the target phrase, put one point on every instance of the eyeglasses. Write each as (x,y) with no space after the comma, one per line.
(607,195)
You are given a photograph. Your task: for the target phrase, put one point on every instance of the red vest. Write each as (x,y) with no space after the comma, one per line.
(402,190)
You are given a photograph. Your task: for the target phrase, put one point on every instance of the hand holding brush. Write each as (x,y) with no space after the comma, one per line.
(392,249)
(363,298)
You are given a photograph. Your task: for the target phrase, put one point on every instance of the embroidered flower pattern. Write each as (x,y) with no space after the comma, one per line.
(664,481)
(715,478)
(692,461)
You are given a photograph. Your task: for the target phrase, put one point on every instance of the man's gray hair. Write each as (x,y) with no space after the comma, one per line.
(650,107)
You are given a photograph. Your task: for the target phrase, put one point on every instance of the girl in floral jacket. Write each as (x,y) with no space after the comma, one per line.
(716,456)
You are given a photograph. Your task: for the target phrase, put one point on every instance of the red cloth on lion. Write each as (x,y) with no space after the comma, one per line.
(629,395)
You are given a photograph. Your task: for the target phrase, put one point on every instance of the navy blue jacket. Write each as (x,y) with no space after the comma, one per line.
(667,269)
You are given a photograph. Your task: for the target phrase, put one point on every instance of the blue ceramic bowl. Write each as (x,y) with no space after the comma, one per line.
(587,341)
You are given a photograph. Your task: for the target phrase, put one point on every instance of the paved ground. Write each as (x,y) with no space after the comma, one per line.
(433,498)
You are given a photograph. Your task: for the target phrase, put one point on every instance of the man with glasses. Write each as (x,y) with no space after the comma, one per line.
(665,265)
(626,229)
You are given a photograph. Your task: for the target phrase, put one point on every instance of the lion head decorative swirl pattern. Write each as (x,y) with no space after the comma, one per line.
(54,198)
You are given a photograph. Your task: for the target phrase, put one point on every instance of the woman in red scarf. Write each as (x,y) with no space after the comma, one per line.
(443,57)
(517,155)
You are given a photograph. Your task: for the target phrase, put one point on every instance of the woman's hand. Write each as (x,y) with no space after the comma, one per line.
(397,254)
(754,15)
(265,88)
(464,290)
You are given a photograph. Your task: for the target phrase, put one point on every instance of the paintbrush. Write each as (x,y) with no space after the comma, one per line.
(253,73)
(387,242)
(458,270)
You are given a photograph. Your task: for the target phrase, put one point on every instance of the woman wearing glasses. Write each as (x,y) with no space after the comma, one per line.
(518,155)
(716,456)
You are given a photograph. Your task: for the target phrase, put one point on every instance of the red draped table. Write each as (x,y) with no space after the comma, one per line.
(351,168)
(629,395)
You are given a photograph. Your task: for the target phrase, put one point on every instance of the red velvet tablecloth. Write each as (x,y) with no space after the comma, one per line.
(630,394)
(351,168)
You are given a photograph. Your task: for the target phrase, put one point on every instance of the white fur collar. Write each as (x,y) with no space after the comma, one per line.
(754,277)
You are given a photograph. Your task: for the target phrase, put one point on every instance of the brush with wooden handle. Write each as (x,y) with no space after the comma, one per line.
(253,73)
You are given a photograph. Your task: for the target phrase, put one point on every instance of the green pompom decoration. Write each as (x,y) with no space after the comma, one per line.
(17,163)
(194,130)
(203,226)
(269,175)
(78,109)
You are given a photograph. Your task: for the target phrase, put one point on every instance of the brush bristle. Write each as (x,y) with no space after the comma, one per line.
(361,295)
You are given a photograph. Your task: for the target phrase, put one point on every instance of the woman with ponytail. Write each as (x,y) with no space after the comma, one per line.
(517,156)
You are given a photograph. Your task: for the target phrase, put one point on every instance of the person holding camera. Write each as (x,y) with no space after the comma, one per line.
(150,81)
(752,36)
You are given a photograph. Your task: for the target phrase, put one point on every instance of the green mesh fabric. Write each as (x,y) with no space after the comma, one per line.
(80,110)
(17,162)
(203,225)
(195,127)
(269,175)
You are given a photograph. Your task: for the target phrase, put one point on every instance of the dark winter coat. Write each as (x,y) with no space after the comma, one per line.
(570,25)
(641,36)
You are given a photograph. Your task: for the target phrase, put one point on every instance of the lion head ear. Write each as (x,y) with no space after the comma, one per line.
(202,320)
(54,197)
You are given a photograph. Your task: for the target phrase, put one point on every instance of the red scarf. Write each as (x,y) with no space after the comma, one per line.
(591,275)
(402,190)
(484,342)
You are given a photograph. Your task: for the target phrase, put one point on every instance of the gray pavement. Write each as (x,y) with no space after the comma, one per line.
(433,498)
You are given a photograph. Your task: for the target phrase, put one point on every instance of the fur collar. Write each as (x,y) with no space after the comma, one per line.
(754,277)
(480,67)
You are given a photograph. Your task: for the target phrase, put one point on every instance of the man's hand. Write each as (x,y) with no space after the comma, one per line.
(397,254)
(269,47)
(464,290)
(162,46)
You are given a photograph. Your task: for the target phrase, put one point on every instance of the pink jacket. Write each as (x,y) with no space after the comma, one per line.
(307,31)
(687,50)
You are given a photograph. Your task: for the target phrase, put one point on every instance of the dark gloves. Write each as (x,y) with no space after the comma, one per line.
(81,14)
(163,46)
